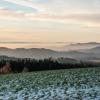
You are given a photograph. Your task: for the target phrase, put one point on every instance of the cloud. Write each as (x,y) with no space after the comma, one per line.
(7,14)
(13,42)
(72,6)
(60,6)
(26,3)
(90,20)
(82,12)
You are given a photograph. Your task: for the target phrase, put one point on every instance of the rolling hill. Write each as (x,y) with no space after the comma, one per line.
(41,53)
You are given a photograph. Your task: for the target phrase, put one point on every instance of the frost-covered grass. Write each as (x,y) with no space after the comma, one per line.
(74,84)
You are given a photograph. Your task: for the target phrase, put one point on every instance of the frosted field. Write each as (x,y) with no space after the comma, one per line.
(75,84)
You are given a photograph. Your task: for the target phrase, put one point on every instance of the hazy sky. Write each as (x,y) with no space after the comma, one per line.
(49,21)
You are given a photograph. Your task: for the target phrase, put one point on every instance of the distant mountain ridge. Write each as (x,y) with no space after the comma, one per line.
(78,46)
(41,53)
(94,50)
(27,53)
(92,43)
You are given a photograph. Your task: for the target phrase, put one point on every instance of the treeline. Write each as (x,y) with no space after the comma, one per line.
(20,65)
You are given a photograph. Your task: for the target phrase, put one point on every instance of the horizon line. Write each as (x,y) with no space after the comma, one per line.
(24,42)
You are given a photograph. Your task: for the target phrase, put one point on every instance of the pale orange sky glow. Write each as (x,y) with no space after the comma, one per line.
(48,22)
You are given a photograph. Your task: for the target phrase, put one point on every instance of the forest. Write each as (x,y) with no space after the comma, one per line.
(28,65)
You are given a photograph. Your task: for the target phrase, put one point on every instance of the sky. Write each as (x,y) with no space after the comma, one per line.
(43,23)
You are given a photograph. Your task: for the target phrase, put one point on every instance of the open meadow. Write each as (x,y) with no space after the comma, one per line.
(72,84)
